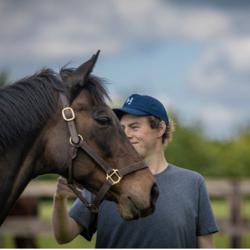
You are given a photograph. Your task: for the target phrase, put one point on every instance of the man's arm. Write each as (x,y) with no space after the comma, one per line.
(65,228)
(206,241)
(206,222)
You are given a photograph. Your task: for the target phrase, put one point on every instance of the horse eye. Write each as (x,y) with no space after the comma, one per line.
(103,120)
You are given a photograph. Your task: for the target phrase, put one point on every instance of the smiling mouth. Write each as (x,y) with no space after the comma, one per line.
(134,142)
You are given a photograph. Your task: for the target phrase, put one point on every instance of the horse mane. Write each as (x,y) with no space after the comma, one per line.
(26,105)
(97,89)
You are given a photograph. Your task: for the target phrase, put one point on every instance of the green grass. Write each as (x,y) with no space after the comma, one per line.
(45,211)
(49,242)
(220,208)
(221,211)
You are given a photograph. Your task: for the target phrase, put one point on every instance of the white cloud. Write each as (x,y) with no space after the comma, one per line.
(237,50)
(204,80)
(219,120)
(217,114)
(67,31)
(76,27)
(159,20)
(223,66)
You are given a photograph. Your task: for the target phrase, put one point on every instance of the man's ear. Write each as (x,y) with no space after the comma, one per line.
(162,128)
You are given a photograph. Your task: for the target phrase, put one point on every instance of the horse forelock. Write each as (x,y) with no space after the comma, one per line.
(26,105)
(97,89)
(94,85)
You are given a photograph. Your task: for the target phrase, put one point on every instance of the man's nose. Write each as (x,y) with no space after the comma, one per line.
(128,132)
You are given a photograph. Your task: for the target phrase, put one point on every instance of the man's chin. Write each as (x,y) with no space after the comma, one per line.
(140,152)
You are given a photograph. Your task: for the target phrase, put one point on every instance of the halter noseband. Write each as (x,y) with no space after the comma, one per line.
(113,176)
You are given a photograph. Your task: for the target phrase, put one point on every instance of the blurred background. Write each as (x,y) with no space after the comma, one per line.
(192,55)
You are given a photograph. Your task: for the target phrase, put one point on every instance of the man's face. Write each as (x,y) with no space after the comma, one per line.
(140,134)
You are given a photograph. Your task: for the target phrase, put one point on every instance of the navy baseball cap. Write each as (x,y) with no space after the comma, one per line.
(143,105)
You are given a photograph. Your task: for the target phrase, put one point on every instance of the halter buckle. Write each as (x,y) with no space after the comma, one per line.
(72,115)
(114,177)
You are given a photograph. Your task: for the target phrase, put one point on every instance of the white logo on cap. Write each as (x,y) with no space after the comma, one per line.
(129,100)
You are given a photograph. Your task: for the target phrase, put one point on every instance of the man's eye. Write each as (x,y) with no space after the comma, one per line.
(134,127)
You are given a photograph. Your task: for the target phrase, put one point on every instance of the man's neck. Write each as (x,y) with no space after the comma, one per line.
(156,162)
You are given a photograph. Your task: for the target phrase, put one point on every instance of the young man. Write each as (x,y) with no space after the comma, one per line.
(183,217)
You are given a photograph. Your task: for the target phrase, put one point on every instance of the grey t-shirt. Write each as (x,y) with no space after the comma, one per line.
(182,213)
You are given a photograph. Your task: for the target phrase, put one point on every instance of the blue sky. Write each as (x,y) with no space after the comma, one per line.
(192,55)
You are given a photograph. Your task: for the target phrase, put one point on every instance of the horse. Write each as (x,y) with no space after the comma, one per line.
(61,123)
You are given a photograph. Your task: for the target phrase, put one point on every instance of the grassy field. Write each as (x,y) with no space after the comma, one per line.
(220,208)
(45,210)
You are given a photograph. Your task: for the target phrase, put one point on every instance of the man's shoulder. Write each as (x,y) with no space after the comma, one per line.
(186,173)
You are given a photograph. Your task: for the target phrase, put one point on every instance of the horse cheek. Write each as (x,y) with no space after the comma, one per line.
(56,151)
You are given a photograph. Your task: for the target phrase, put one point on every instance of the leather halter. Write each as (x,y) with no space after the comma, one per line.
(113,176)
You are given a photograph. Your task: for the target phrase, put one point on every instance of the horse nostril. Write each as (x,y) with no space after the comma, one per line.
(154,193)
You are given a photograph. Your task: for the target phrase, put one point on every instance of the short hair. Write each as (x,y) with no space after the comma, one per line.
(154,123)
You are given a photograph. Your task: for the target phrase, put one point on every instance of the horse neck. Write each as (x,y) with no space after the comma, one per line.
(16,172)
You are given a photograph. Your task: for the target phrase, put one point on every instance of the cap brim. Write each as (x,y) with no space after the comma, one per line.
(120,112)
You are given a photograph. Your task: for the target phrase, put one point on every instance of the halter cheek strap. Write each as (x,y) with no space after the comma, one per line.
(113,176)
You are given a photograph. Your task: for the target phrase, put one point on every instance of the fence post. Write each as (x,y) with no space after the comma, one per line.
(1,242)
(235,214)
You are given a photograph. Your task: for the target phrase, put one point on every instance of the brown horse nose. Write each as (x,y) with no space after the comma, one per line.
(154,194)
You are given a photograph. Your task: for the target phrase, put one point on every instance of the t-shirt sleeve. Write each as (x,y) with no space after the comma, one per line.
(84,217)
(206,220)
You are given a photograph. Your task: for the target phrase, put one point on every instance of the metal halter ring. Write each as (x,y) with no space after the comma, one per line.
(80,139)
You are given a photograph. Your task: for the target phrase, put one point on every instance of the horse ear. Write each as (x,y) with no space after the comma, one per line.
(81,74)
(83,71)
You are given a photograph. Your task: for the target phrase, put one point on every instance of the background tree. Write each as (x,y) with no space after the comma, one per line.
(4,76)
(191,149)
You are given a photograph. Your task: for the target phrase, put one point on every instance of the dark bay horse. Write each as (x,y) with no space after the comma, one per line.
(35,128)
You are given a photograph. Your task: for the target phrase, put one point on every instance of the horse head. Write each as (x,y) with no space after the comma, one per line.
(98,128)
(60,123)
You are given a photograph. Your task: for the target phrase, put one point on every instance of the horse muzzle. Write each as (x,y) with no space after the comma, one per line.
(132,208)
